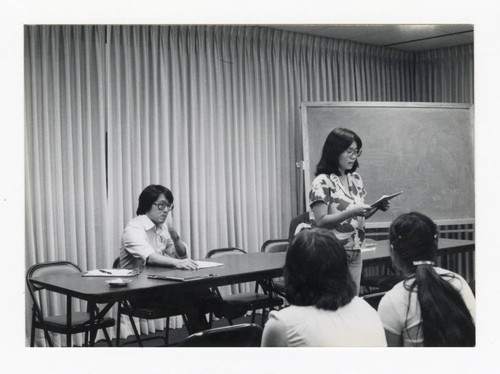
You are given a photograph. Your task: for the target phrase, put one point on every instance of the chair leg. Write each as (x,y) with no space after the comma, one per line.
(264,313)
(118,319)
(32,338)
(167,327)
(47,337)
(253,316)
(135,331)
(210,320)
(106,335)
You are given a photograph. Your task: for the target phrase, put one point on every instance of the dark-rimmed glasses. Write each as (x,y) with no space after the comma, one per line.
(163,206)
(350,152)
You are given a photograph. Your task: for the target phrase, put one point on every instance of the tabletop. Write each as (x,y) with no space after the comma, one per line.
(236,269)
(445,246)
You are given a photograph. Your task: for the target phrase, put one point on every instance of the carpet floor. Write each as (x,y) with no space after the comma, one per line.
(174,336)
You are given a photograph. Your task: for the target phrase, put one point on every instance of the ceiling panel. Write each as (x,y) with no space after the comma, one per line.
(404,37)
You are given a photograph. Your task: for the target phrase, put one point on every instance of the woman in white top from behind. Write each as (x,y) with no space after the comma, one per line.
(432,307)
(323,311)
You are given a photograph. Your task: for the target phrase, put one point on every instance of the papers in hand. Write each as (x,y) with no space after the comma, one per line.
(380,201)
(110,273)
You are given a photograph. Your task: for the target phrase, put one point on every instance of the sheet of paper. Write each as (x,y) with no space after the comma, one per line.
(207,264)
(385,197)
(110,273)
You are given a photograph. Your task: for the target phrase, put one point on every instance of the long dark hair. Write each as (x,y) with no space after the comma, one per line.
(150,194)
(336,143)
(446,320)
(316,271)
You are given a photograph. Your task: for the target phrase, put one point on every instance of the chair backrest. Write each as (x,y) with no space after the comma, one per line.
(296,221)
(274,245)
(224,251)
(116,263)
(38,270)
(56,267)
(242,335)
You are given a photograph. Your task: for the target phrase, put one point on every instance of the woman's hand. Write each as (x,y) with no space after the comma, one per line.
(187,264)
(360,210)
(385,205)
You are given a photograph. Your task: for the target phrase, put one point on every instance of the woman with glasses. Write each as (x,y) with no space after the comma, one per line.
(336,197)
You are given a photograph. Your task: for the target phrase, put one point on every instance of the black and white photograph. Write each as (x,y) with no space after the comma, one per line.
(230,192)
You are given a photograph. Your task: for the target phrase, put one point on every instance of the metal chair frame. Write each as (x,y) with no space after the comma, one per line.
(126,308)
(80,322)
(241,335)
(248,300)
(276,245)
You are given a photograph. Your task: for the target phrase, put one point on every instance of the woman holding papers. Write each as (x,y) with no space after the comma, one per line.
(324,310)
(432,307)
(337,196)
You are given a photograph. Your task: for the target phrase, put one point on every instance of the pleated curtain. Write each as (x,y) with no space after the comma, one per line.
(212,112)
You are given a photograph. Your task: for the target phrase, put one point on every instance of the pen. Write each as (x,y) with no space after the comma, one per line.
(104,271)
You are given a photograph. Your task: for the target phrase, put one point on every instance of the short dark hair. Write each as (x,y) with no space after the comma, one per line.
(446,320)
(316,271)
(150,194)
(336,143)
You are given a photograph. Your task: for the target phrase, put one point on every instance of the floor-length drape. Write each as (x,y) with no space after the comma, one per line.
(212,112)
(66,213)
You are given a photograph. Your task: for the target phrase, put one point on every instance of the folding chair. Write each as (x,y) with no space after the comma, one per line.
(81,322)
(276,245)
(242,335)
(126,308)
(246,301)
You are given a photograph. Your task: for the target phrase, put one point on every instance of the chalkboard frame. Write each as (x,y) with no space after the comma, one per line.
(307,167)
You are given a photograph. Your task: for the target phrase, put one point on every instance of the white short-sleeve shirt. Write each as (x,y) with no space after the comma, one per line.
(400,311)
(356,324)
(141,238)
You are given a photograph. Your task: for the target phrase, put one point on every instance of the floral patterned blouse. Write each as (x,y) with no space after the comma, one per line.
(330,190)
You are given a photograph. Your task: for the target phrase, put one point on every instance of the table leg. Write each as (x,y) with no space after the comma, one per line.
(68,321)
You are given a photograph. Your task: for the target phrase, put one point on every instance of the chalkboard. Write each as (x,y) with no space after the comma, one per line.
(423,149)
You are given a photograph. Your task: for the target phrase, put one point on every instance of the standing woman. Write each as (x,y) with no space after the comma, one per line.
(337,196)
(432,307)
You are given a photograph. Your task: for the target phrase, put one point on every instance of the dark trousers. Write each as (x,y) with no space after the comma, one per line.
(192,305)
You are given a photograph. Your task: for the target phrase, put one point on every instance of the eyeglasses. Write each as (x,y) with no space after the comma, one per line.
(163,205)
(350,152)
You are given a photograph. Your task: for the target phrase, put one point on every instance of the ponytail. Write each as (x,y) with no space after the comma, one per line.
(446,320)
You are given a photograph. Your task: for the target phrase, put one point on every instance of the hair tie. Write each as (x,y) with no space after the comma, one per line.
(417,263)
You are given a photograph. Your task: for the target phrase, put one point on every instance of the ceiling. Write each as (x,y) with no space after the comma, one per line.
(403,37)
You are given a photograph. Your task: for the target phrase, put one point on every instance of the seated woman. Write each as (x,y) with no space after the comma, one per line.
(432,307)
(323,311)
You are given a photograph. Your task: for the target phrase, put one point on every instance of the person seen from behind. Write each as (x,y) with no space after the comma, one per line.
(431,307)
(324,310)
